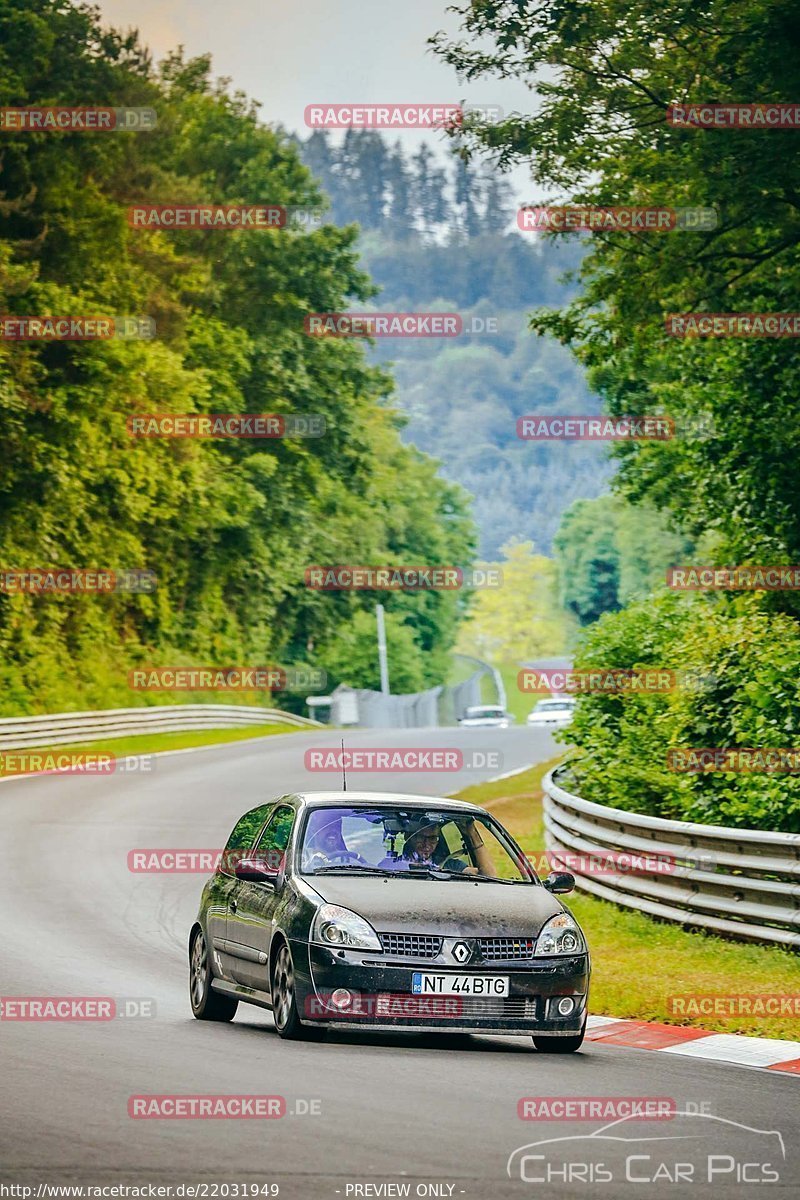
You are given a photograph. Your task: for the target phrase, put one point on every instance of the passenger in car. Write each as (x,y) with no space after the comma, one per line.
(425,847)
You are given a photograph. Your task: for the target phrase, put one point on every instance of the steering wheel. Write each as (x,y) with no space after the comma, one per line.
(322,859)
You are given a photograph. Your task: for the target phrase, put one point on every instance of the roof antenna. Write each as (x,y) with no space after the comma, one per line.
(344,772)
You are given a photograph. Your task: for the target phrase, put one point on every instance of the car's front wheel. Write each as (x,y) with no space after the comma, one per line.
(284,1000)
(560,1045)
(207,1005)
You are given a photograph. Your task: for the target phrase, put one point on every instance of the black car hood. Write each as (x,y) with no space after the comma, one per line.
(451,907)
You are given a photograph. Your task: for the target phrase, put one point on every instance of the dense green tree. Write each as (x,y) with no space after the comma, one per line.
(228,526)
(588,559)
(610,552)
(729,693)
(604,75)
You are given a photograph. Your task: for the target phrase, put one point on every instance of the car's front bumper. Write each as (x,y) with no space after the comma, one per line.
(383,996)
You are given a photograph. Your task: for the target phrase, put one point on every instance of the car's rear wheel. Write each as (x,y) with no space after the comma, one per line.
(560,1045)
(284,1000)
(207,1005)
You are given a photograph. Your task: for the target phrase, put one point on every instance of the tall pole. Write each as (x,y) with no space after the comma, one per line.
(382,659)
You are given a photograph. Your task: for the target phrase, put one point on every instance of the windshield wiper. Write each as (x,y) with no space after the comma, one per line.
(354,868)
(488,878)
(443,873)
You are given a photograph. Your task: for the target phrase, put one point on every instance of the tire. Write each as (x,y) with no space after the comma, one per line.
(284,1001)
(207,1005)
(560,1045)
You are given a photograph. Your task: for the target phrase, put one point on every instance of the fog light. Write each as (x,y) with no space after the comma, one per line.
(565,1006)
(341,998)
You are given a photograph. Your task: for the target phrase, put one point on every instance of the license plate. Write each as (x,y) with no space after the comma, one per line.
(458,985)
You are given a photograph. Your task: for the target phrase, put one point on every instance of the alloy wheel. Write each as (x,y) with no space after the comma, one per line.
(199,970)
(283,987)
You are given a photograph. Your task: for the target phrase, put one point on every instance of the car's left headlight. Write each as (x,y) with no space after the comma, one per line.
(560,935)
(337,926)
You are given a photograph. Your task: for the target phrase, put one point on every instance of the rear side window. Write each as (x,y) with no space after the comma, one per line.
(247,827)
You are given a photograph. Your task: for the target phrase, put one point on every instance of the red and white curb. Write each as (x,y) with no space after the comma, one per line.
(771,1054)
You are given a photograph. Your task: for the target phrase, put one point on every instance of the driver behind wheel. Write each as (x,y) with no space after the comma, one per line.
(326,846)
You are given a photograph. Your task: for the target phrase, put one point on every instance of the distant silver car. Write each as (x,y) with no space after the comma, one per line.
(486,714)
(556,711)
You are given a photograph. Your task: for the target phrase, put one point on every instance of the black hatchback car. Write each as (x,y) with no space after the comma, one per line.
(389,912)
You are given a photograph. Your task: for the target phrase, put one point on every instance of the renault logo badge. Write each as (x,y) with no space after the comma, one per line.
(461,952)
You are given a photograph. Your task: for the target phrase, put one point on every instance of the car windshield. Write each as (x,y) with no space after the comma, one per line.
(550,705)
(429,843)
(485,712)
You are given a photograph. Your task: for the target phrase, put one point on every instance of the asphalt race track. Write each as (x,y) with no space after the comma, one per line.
(361,1110)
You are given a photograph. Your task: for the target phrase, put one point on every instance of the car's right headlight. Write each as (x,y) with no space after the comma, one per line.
(337,926)
(560,935)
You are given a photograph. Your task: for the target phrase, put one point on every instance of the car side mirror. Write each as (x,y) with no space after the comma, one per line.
(559,882)
(255,870)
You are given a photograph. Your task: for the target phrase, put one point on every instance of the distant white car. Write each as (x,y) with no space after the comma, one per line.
(556,712)
(486,714)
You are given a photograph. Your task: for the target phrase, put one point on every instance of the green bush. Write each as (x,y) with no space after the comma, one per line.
(739,686)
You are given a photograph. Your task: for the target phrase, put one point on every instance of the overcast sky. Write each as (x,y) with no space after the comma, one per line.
(294,54)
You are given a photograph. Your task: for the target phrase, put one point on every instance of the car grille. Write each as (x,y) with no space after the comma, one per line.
(505,949)
(411,945)
(399,1006)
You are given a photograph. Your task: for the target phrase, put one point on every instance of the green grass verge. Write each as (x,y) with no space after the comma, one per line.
(639,962)
(151,743)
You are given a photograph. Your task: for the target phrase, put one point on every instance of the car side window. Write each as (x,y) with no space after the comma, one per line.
(275,838)
(247,827)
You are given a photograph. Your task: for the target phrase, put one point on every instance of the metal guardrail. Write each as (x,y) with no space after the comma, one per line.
(73,728)
(741,882)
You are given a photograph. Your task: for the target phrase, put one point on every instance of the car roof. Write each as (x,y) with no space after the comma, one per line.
(383,799)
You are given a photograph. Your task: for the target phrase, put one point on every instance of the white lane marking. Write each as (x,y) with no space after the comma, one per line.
(511,774)
(596,1022)
(736,1048)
